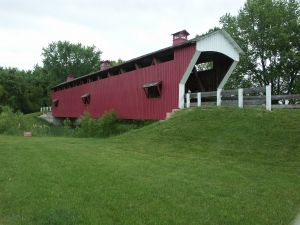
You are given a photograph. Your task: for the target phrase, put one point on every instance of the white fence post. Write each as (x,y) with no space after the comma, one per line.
(219,97)
(199,99)
(188,100)
(241,97)
(268,97)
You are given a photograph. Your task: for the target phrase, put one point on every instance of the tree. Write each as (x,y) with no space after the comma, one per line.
(116,62)
(63,58)
(12,88)
(27,91)
(23,91)
(269,33)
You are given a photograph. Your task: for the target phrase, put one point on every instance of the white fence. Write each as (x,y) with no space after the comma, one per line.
(46,109)
(243,97)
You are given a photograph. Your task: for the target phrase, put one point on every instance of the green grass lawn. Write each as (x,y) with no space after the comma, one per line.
(209,166)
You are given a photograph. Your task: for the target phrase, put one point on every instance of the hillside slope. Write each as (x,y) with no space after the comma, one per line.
(208,166)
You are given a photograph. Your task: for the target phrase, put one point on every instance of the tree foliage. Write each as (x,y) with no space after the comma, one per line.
(116,62)
(22,90)
(104,126)
(27,91)
(62,58)
(269,33)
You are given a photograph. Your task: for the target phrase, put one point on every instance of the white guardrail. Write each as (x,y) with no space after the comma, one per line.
(240,96)
(46,109)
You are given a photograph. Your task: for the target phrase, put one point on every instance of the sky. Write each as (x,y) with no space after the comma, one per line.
(119,29)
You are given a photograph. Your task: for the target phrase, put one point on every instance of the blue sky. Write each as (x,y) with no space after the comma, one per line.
(120,29)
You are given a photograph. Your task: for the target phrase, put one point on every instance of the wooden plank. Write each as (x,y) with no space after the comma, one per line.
(188,100)
(209,94)
(204,94)
(255,102)
(255,98)
(194,104)
(199,99)
(230,92)
(285,97)
(209,103)
(286,106)
(240,97)
(255,106)
(247,104)
(209,99)
(268,97)
(229,97)
(254,90)
(193,95)
(230,102)
(219,99)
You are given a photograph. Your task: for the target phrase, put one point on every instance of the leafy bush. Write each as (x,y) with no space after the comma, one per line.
(16,123)
(101,127)
(67,127)
(107,124)
(10,122)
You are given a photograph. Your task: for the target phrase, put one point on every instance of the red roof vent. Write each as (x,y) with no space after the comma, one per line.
(70,77)
(180,37)
(104,65)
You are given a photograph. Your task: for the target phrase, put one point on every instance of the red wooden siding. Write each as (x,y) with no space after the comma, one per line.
(124,93)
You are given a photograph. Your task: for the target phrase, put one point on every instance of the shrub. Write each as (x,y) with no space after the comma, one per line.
(101,127)
(16,123)
(10,122)
(107,124)
(67,127)
(83,129)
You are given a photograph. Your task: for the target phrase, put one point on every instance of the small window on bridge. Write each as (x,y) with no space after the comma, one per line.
(55,102)
(153,89)
(204,66)
(86,98)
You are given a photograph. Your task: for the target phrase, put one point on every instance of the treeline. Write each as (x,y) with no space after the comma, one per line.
(267,30)
(27,91)
(24,91)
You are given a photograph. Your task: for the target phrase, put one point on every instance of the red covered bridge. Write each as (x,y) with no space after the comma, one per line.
(148,87)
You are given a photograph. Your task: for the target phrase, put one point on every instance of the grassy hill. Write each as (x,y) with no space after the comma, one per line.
(209,166)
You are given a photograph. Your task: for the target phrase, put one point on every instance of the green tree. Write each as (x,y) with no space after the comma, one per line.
(23,91)
(116,62)
(62,58)
(269,33)
(12,88)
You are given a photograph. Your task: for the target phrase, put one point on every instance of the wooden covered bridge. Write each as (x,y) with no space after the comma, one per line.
(149,86)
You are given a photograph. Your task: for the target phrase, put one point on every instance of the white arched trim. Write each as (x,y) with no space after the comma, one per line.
(185,78)
(227,75)
(218,42)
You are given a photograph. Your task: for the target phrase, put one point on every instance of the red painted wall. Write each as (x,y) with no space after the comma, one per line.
(124,93)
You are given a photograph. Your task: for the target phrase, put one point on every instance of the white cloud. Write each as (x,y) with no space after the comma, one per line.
(120,29)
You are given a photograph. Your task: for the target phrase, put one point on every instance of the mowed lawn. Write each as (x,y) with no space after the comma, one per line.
(209,166)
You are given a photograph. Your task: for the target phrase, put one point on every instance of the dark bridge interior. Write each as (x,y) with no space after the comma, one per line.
(208,72)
